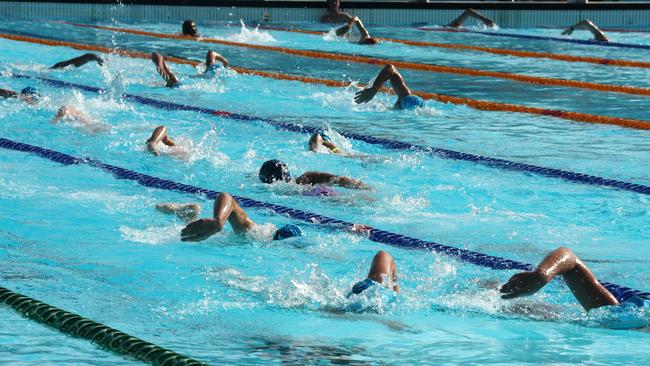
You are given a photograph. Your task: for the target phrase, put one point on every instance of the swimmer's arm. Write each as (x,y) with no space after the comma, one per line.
(346,28)
(223,60)
(330,179)
(5,93)
(79,61)
(591,27)
(332,147)
(362,30)
(474,14)
(72,113)
(389,72)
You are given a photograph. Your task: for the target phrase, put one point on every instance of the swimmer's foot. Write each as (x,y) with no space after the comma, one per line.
(188,212)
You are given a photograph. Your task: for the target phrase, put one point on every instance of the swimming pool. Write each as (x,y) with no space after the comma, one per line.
(78,238)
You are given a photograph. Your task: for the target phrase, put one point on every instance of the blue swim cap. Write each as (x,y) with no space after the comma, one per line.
(325,137)
(287,231)
(274,170)
(411,102)
(31,91)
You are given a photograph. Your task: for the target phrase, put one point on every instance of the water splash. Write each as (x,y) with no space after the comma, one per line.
(246,35)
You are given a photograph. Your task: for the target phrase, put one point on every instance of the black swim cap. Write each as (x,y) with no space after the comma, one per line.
(273,171)
(189,28)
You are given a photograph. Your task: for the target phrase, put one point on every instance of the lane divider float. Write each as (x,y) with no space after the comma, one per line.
(375,235)
(380,141)
(473,103)
(542,38)
(104,336)
(496,51)
(537,80)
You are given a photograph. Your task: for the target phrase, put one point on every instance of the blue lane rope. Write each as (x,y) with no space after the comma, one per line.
(386,143)
(376,235)
(557,39)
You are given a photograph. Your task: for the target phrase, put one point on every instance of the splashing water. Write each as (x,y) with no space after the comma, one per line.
(251,36)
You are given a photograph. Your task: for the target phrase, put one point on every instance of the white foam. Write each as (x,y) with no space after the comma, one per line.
(255,36)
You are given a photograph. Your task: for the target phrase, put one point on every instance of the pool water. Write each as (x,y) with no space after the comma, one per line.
(79,239)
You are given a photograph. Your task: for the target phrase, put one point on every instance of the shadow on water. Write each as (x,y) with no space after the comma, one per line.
(305,352)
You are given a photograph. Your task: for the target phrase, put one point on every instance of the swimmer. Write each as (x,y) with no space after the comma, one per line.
(321,139)
(67,113)
(79,61)
(590,26)
(365,36)
(172,81)
(583,284)
(29,95)
(383,271)
(275,170)
(473,14)
(226,209)
(405,100)
(334,14)
(190,29)
(158,135)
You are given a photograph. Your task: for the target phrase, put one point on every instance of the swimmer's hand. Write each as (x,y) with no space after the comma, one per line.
(365,95)
(361,229)
(200,230)
(523,284)
(568,31)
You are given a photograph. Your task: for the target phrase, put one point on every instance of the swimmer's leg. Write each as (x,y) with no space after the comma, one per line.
(383,266)
(584,285)
(158,135)
(164,70)
(225,209)
(79,61)
(188,212)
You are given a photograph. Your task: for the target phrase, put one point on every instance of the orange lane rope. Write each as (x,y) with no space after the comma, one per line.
(400,64)
(477,104)
(496,51)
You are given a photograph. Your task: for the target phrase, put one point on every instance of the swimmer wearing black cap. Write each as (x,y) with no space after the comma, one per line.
(29,95)
(471,13)
(405,99)
(383,271)
(275,171)
(79,61)
(583,284)
(190,29)
(212,60)
(225,209)
(364,38)
(334,13)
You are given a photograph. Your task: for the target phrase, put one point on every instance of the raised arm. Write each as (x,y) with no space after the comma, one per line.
(584,285)
(473,14)
(158,135)
(212,57)
(346,28)
(79,61)
(163,70)
(389,72)
(590,26)
(227,209)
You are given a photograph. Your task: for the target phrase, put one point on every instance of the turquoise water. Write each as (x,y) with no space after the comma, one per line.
(83,241)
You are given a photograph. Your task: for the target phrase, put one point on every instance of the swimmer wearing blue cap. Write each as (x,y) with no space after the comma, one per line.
(79,61)
(471,13)
(583,284)
(364,38)
(587,24)
(225,209)
(29,95)
(383,272)
(276,171)
(405,99)
(321,139)
(211,66)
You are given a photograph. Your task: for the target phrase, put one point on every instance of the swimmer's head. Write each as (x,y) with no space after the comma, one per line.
(189,28)
(333,5)
(31,92)
(287,231)
(274,171)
